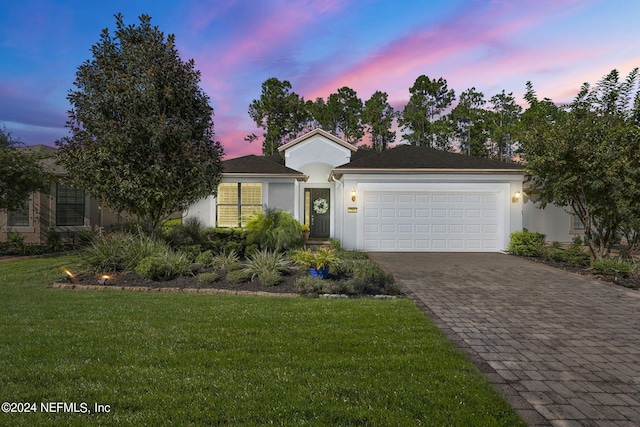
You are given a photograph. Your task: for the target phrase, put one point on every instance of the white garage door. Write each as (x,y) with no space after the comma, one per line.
(432,221)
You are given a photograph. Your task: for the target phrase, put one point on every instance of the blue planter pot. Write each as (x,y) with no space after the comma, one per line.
(322,274)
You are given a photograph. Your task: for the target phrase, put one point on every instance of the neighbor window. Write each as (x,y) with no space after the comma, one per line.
(237,201)
(19,217)
(69,205)
(577,226)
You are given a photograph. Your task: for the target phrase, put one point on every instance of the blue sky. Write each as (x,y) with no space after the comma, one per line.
(319,46)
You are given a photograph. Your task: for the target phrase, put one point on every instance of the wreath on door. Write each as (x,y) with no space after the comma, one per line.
(320,206)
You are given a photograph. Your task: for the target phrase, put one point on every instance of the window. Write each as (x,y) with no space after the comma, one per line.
(19,217)
(237,201)
(577,226)
(69,205)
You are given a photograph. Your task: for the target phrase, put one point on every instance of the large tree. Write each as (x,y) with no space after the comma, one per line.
(141,129)
(22,172)
(503,117)
(341,114)
(421,117)
(468,119)
(377,116)
(587,156)
(280,112)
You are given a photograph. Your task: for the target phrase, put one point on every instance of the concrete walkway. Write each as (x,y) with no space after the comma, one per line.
(563,349)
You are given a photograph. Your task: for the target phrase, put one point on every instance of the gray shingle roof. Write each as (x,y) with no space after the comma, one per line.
(253,164)
(412,157)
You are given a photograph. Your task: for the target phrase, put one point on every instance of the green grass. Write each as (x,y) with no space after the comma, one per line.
(184,359)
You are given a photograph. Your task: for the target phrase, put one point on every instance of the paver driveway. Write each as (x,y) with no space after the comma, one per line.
(564,349)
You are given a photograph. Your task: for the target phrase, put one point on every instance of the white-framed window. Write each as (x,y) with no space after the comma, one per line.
(576,227)
(237,201)
(19,217)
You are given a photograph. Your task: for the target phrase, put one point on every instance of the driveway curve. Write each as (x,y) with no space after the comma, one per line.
(563,349)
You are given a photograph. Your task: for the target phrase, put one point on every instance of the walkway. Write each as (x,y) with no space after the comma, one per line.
(563,349)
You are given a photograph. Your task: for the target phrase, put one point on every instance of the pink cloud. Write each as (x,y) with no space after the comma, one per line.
(473,32)
(257,35)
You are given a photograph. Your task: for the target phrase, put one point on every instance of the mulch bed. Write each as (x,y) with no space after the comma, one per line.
(131,279)
(631,282)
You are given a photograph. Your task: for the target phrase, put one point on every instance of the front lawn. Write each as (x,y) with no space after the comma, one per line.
(189,359)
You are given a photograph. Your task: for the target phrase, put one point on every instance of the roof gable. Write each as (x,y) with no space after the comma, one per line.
(313,133)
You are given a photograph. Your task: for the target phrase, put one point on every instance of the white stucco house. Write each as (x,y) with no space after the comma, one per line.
(407,198)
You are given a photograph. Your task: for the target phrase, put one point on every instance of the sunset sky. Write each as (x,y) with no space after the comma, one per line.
(319,46)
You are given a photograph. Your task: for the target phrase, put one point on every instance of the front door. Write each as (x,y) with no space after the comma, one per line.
(319,210)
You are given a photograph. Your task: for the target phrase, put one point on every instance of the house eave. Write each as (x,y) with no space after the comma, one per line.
(338,173)
(239,175)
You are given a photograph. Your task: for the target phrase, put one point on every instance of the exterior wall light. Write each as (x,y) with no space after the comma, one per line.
(516,196)
(353,194)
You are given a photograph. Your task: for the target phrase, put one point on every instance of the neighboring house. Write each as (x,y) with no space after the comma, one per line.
(404,199)
(558,224)
(64,209)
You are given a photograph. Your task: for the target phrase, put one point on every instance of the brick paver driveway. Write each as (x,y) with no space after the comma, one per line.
(564,349)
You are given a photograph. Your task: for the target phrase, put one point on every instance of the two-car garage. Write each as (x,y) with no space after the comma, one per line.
(436,218)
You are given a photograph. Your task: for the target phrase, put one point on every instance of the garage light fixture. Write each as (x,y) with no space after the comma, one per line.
(353,194)
(516,196)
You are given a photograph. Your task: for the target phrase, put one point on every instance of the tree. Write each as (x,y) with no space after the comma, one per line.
(141,127)
(378,116)
(22,173)
(280,112)
(341,115)
(587,156)
(421,116)
(504,117)
(469,124)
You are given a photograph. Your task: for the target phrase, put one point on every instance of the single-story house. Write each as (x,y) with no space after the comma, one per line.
(64,209)
(406,198)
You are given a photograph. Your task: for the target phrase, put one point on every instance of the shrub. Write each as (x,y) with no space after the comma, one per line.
(269,278)
(14,244)
(573,256)
(162,267)
(183,233)
(250,249)
(357,286)
(208,277)
(86,236)
(233,246)
(342,267)
(352,254)
(205,259)
(274,229)
(120,251)
(30,249)
(192,251)
(227,261)
(610,266)
(154,268)
(237,276)
(577,257)
(370,272)
(526,243)
(54,241)
(264,263)
(308,284)
(319,259)
(334,244)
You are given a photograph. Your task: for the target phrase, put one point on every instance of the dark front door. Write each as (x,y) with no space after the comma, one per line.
(320,212)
